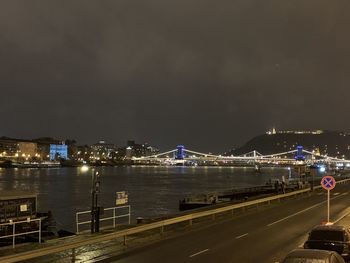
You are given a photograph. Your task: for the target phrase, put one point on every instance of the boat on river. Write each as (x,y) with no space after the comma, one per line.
(198,201)
(13,164)
(237,194)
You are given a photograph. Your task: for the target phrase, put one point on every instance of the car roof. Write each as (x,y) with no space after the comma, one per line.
(310,253)
(329,228)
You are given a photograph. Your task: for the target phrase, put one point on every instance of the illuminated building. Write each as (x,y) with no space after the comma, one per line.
(28,149)
(8,147)
(103,150)
(58,151)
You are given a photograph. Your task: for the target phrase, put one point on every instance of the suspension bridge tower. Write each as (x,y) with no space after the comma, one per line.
(180,153)
(299,155)
(300,166)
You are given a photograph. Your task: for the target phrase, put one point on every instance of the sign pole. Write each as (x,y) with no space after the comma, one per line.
(328,206)
(328,183)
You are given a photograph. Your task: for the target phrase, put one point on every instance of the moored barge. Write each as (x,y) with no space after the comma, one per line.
(19,216)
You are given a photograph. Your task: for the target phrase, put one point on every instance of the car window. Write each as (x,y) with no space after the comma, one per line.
(327,235)
(305,260)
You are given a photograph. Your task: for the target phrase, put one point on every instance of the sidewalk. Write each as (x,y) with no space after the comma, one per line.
(90,253)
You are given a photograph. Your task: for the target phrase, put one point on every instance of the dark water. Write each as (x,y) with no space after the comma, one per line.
(153,191)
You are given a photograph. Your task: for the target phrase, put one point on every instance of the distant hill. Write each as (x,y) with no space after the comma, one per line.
(333,143)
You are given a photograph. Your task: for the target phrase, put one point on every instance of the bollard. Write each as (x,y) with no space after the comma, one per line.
(14,234)
(40,231)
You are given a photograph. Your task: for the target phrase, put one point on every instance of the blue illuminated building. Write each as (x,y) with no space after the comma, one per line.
(58,151)
(299,156)
(180,154)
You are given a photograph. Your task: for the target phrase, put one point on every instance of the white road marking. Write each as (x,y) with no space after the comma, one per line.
(304,210)
(340,218)
(246,234)
(297,213)
(200,252)
(336,193)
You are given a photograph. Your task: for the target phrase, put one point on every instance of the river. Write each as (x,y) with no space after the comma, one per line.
(153,191)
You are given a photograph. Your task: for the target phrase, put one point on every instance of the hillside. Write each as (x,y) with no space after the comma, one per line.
(333,143)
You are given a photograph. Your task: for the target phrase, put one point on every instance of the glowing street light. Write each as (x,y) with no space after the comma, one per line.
(322,169)
(84,168)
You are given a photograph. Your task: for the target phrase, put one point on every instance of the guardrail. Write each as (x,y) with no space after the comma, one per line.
(113,217)
(14,234)
(138,229)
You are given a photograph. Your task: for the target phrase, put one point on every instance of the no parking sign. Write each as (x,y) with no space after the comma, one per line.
(328,183)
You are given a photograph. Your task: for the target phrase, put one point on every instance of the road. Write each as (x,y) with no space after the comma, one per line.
(266,235)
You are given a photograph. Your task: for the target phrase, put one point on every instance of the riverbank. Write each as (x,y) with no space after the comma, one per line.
(112,243)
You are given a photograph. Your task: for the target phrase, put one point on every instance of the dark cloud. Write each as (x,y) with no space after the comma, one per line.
(203,73)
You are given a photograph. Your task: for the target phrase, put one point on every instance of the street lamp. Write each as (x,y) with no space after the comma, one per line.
(95,190)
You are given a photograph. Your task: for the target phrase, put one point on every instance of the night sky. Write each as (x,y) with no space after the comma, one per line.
(207,74)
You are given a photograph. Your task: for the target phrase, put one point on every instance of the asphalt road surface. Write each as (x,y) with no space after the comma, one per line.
(266,235)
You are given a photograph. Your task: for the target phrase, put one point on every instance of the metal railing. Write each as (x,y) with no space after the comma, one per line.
(138,229)
(113,218)
(14,234)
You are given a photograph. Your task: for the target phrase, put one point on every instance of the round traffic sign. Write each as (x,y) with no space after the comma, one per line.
(328,182)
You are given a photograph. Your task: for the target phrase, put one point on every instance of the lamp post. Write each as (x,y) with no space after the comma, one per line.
(313,172)
(95,209)
(93,201)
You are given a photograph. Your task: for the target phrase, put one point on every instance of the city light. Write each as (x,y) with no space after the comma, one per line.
(322,169)
(84,168)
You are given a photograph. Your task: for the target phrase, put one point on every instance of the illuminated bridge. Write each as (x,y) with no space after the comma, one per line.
(183,156)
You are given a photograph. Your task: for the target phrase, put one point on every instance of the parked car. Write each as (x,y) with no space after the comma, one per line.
(313,256)
(330,237)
